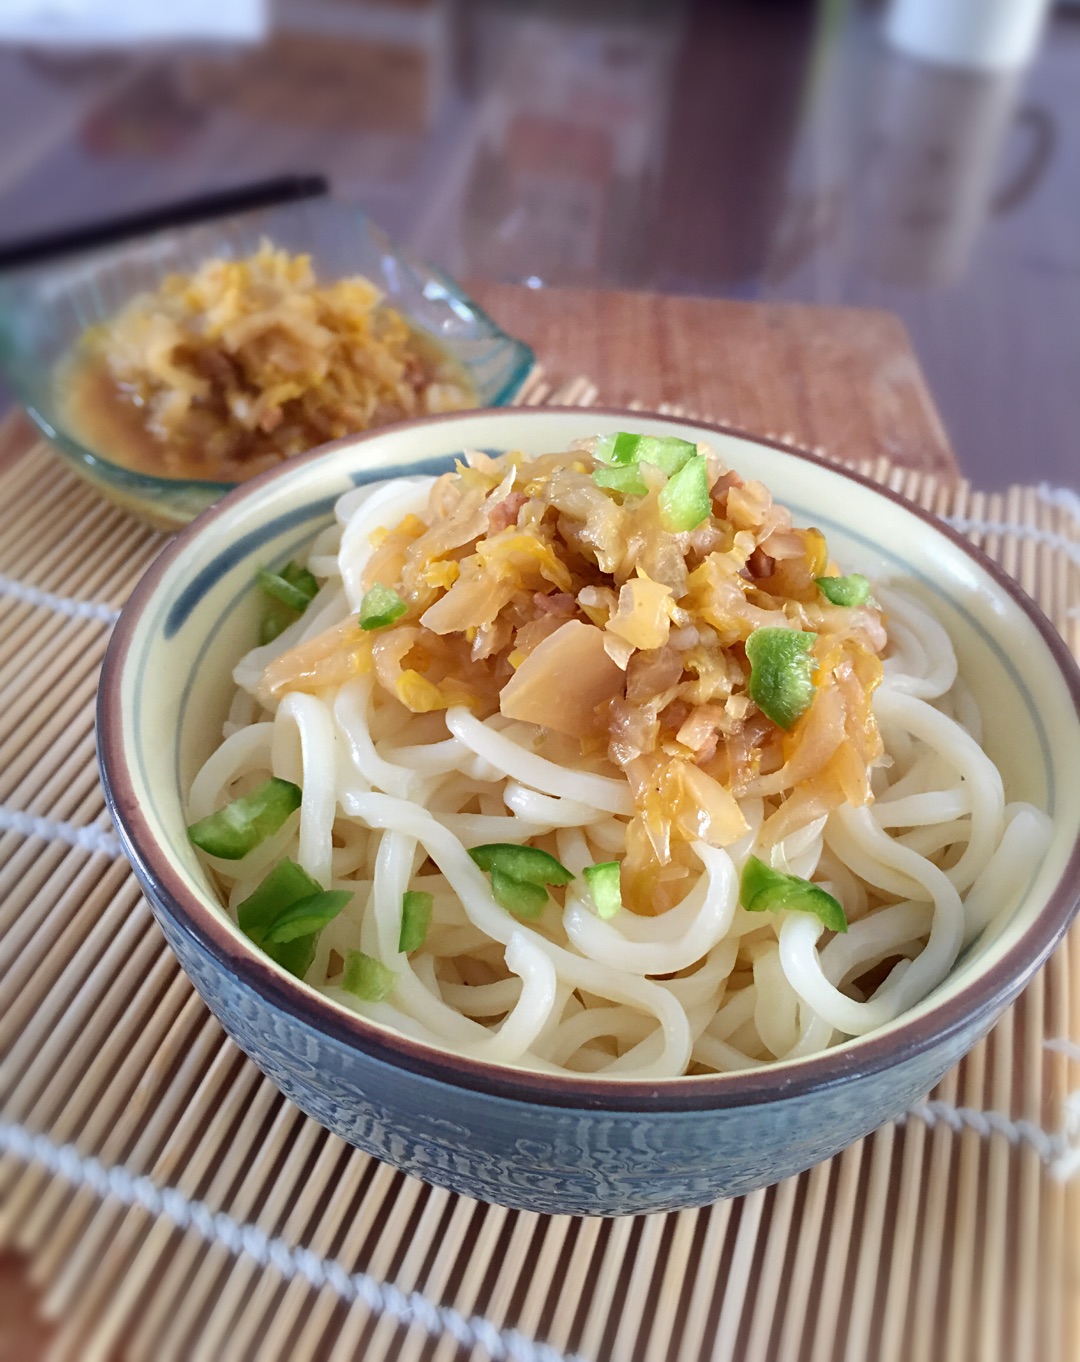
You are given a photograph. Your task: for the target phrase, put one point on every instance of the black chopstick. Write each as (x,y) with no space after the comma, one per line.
(204,207)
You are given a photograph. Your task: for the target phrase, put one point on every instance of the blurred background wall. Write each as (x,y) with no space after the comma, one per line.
(771,149)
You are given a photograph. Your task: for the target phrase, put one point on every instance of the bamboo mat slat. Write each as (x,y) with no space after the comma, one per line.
(174,1206)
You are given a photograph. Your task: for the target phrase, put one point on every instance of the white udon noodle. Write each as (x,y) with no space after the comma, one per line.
(385,795)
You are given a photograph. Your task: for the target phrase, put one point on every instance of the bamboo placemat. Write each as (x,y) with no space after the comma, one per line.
(173,1205)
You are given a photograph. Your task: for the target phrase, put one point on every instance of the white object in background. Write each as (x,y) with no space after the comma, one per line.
(991,35)
(110,23)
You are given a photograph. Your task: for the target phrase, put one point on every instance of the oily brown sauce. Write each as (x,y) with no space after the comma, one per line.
(110,421)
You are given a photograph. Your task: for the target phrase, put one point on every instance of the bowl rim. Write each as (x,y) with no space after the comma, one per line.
(980,1000)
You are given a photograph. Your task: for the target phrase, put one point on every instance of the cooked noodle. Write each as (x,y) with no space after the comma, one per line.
(689,982)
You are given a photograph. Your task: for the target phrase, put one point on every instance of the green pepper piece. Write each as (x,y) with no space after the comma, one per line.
(276,619)
(624,478)
(781,673)
(849,591)
(285,885)
(245,822)
(665,452)
(530,865)
(289,593)
(380,607)
(519,897)
(605,886)
(367,977)
(684,501)
(293,586)
(620,448)
(416,906)
(764,890)
(307,915)
(294,956)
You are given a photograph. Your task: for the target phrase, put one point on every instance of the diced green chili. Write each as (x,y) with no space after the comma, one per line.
(368,978)
(605,886)
(763,889)
(276,619)
(619,448)
(781,673)
(245,822)
(528,864)
(850,591)
(416,906)
(294,585)
(284,886)
(307,915)
(380,607)
(290,592)
(666,452)
(624,478)
(684,501)
(519,897)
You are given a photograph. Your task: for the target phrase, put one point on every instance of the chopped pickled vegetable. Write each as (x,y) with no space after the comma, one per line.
(381,607)
(605,886)
(849,591)
(416,906)
(241,825)
(766,890)
(368,978)
(307,915)
(684,501)
(528,864)
(781,673)
(517,896)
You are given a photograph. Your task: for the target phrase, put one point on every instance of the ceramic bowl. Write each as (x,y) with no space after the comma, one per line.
(550,1143)
(45,309)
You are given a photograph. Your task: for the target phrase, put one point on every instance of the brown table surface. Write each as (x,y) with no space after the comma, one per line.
(842,380)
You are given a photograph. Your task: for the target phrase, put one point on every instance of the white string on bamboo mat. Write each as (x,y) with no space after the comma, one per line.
(406,1307)
(974,525)
(60,605)
(89,837)
(1063,498)
(1060,1152)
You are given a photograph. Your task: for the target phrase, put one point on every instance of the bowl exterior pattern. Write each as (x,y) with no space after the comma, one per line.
(548,1159)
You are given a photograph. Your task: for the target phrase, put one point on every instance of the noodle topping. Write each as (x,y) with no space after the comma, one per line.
(705,663)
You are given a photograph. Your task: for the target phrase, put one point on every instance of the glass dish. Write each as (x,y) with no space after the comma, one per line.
(44,310)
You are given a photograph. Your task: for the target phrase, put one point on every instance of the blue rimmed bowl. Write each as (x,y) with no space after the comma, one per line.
(45,309)
(574,1144)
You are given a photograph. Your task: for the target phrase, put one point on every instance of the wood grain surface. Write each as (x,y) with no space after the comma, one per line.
(843,381)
